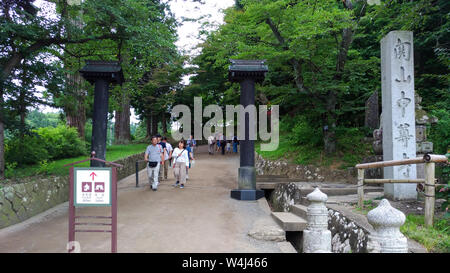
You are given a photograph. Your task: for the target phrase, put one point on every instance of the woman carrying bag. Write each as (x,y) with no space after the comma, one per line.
(180,161)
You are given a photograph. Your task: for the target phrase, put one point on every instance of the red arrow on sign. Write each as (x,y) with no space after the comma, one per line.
(93,175)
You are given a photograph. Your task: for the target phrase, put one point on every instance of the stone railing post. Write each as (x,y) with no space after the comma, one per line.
(386,237)
(316,236)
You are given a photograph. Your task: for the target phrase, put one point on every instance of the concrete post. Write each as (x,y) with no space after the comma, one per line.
(316,236)
(387,237)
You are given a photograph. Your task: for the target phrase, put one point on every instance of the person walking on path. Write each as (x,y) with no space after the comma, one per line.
(163,147)
(192,143)
(180,159)
(222,143)
(218,142)
(211,144)
(190,157)
(235,144)
(155,157)
(167,155)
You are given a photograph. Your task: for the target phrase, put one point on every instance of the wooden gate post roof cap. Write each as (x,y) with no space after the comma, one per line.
(102,69)
(244,69)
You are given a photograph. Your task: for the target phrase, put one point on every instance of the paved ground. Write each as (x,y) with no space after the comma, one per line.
(200,218)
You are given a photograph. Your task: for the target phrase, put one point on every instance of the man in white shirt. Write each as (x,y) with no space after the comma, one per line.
(211,144)
(154,156)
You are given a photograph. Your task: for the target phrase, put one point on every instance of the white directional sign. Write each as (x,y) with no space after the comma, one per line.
(92,187)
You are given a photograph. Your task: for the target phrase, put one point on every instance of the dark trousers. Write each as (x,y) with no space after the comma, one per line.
(222,146)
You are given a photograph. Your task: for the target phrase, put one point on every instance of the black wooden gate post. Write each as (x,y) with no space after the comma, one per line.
(101,73)
(247,73)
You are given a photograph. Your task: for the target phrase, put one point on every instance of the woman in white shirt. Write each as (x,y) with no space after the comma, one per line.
(180,161)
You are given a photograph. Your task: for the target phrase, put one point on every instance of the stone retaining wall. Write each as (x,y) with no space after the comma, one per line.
(129,165)
(349,231)
(34,195)
(303,172)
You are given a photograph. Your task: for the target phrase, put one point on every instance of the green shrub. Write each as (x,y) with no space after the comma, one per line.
(10,168)
(45,167)
(440,132)
(440,136)
(443,192)
(26,150)
(44,144)
(62,141)
(303,133)
(350,143)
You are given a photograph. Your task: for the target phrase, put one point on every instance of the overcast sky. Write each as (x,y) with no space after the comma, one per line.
(210,10)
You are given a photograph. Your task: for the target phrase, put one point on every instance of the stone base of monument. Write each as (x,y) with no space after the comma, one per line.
(247,195)
(247,178)
(247,185)
(400,191)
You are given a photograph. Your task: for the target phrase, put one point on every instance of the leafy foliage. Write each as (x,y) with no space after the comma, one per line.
(44,144)
(62,142)
(28,149)
(302,42)
(435,239)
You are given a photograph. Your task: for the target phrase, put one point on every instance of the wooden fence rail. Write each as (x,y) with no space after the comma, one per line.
(429,160)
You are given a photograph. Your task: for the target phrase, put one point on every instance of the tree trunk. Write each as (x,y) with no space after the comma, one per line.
(76,112)
(329,134)
(164,123)
(2,135)
(154,124)
(148,123)
(122,133)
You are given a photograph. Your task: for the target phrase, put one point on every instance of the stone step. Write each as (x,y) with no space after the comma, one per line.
(289,221)
(270,176)
(343,191)
(300,211)
(286,247)
(330,191)
(304,201)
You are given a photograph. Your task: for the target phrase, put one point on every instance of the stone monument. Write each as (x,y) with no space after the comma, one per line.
(398,119)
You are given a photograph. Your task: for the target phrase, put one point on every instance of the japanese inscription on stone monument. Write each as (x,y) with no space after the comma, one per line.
(399,139)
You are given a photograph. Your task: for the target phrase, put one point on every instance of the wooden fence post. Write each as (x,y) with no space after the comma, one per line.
(361,188)
(429,193)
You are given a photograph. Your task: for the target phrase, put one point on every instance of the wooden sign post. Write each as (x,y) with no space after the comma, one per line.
(93,187)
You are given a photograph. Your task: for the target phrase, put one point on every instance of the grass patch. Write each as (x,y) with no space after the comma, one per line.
(113,152)
(348,155)
(435,239)
(282,152)
(368,206)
